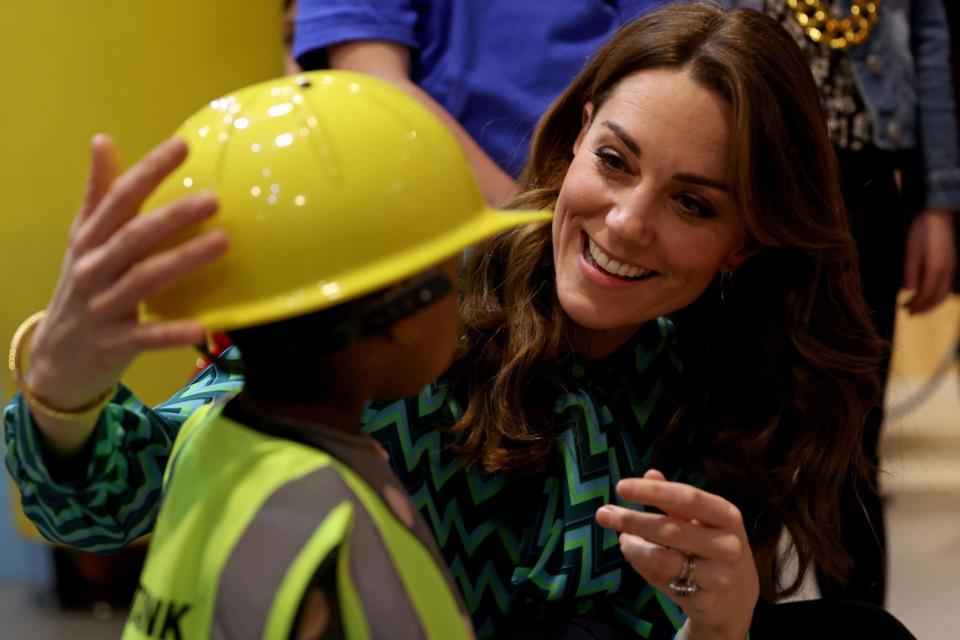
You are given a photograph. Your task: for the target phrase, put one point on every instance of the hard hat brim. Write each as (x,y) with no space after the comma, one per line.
(359,281)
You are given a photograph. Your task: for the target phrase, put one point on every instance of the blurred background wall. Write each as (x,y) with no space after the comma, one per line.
(134,69)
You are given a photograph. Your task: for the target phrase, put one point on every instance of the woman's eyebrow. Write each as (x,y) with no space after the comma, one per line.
(623,135)
(691,178)
(701,180)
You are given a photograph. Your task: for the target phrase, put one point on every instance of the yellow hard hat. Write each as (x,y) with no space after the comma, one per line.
(331,185)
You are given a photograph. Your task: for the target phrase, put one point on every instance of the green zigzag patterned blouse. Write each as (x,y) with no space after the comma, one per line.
(524,551)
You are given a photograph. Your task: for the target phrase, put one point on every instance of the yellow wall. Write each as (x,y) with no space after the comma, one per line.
(132,68)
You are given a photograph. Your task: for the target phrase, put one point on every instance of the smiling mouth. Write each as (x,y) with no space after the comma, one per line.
(596,257)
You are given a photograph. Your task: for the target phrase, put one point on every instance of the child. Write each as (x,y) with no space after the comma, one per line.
(346,205)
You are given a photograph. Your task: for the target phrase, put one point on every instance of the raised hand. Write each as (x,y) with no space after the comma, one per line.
(696,552)
(91,331)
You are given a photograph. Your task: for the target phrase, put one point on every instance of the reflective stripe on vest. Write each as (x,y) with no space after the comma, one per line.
(246,521)
(386,608)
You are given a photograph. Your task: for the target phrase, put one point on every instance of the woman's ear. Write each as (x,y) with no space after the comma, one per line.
(736,259)
(584,126)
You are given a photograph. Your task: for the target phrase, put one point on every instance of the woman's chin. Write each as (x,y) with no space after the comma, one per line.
(587,313)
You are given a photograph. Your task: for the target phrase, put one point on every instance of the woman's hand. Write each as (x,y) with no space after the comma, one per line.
(91,332)
(699,524)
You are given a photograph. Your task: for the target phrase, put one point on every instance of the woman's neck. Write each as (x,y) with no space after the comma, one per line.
(594,344)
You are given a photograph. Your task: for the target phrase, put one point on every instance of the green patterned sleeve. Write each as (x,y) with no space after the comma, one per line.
(114,500)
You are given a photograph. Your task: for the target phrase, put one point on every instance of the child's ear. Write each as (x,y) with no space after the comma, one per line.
(403,333)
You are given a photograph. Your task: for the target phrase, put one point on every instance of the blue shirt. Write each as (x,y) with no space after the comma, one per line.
(494,65)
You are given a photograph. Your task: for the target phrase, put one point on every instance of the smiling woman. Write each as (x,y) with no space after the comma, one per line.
(692,178)
(638,235)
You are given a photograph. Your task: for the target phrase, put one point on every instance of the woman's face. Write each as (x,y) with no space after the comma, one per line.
(645,220)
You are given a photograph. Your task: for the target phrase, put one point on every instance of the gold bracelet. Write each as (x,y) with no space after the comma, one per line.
(24,331)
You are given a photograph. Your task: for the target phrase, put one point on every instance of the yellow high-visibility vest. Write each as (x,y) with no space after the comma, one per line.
(248,518)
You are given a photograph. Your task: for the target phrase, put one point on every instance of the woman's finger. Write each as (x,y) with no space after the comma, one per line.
(161,335)
(657,564)
(654,474)
(132,242)
(104,169)
(719,544)
(125,195)
(682,500)
(158,272)
(661,566)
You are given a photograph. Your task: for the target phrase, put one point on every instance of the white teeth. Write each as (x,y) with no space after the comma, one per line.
(613,266)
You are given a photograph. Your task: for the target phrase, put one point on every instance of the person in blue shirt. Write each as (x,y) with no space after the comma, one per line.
(489,69)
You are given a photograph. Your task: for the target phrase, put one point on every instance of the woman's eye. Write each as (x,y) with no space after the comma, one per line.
(609,160)
(694,206)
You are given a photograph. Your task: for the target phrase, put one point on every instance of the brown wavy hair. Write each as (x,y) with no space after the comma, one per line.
(779,375)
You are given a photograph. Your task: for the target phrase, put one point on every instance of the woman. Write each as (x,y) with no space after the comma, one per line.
(692,312)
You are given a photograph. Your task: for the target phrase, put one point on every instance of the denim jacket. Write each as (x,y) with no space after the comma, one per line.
(903,72)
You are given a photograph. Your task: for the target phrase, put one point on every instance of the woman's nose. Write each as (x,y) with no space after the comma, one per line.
(632,218)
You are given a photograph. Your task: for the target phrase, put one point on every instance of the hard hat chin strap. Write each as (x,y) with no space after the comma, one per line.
(372,314)
(393,305)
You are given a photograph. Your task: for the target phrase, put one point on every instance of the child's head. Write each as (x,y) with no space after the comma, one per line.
(405,334)
(346,203)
